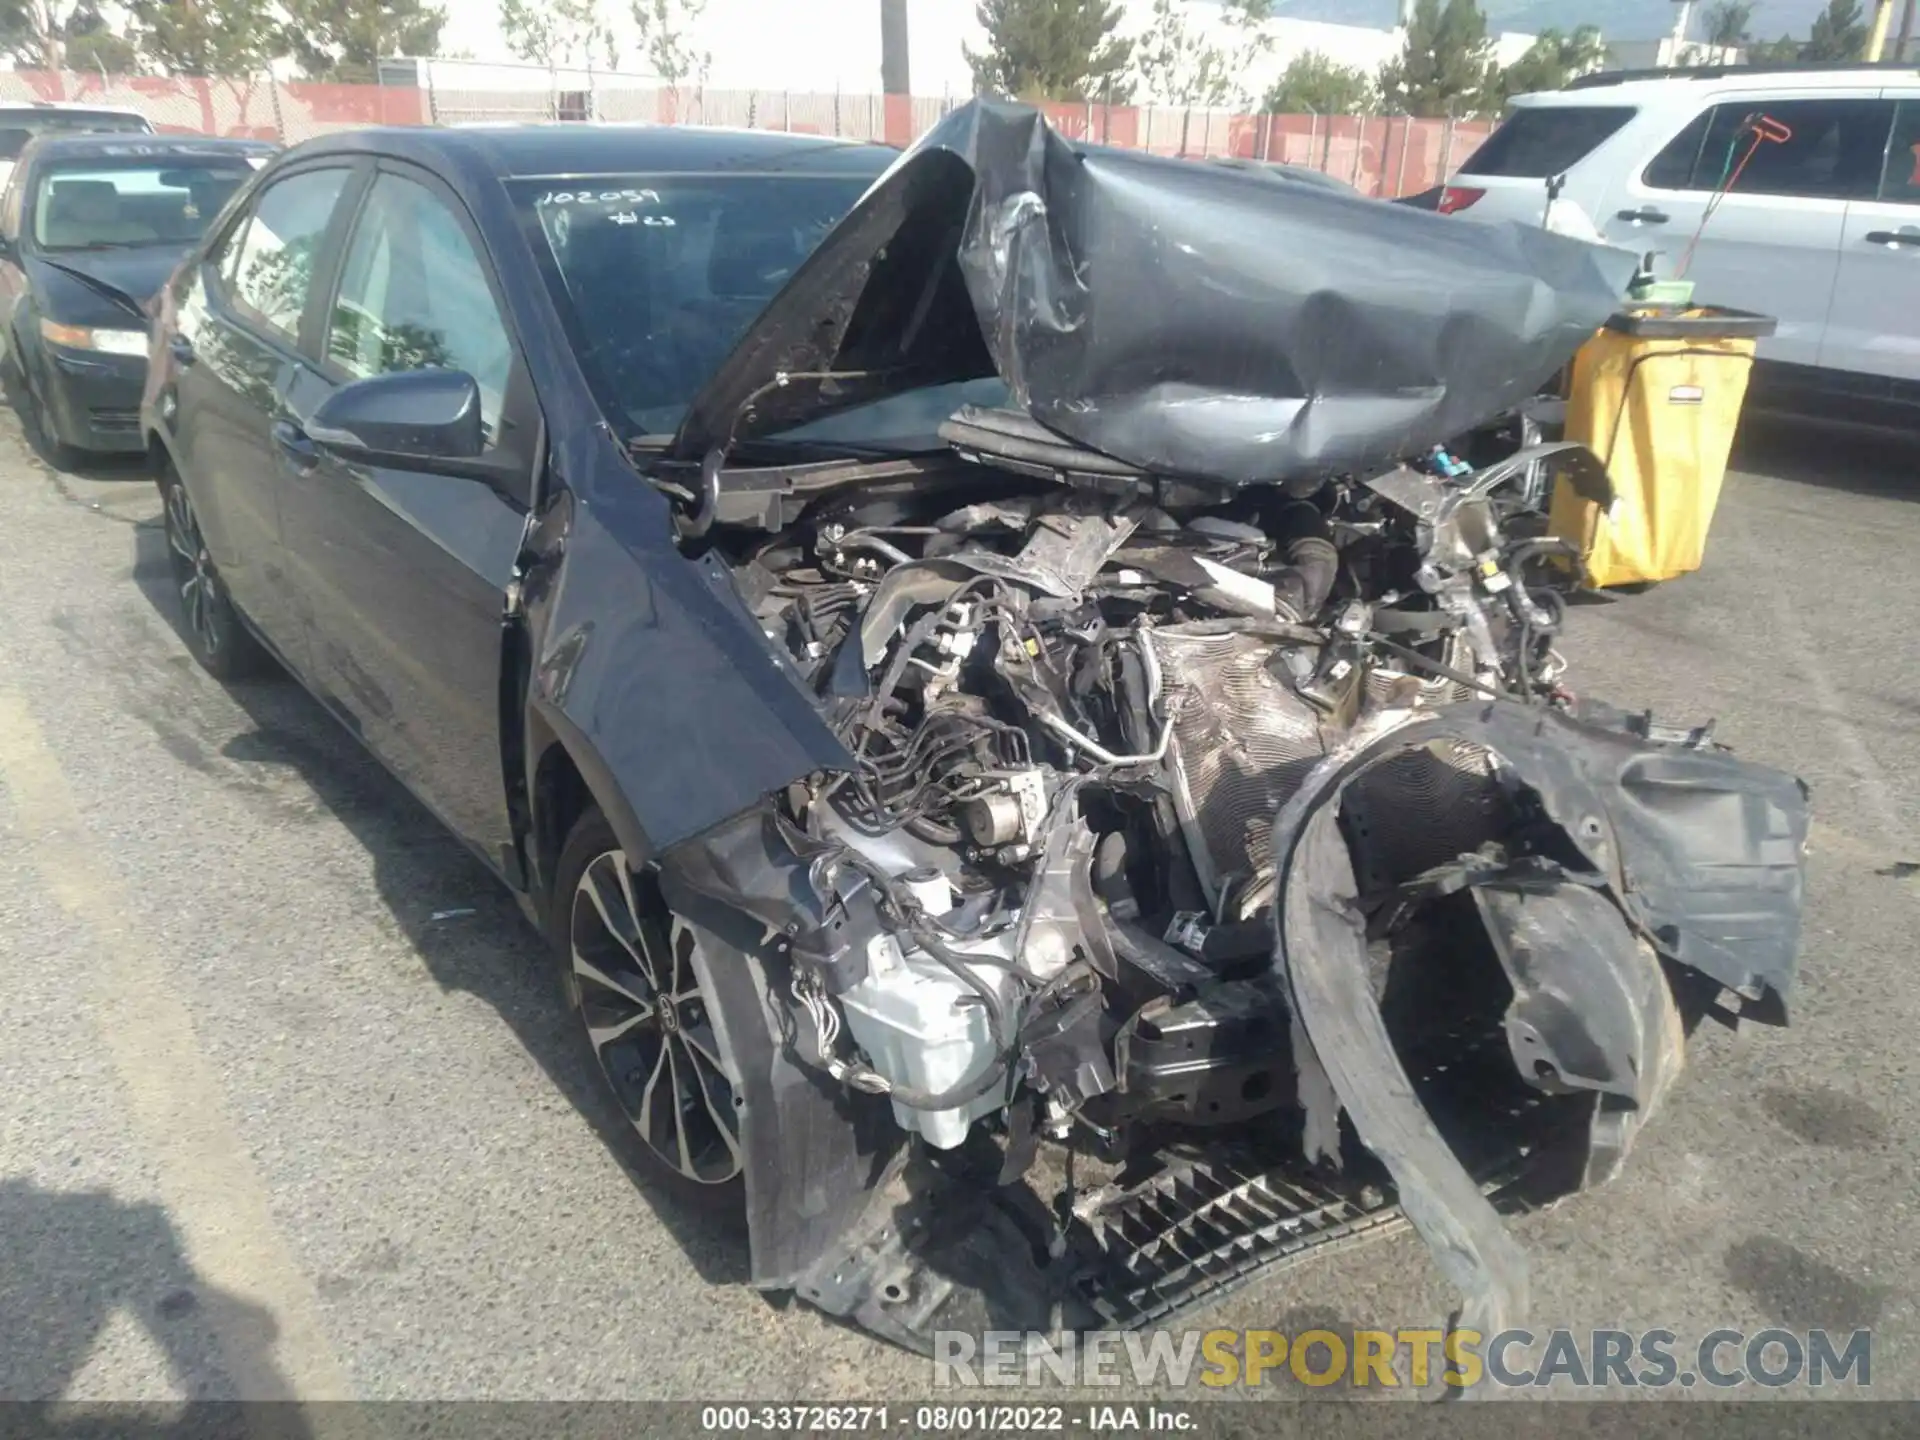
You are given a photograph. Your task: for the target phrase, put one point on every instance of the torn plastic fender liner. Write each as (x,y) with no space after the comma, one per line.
(1701,852)
(1705,852)
(1341,1040)
(1591,1008)
(812,1151)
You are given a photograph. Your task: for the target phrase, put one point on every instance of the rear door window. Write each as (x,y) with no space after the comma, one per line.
(1836,150)
(1541,140)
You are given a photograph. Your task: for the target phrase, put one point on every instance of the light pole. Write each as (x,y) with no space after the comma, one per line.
(894,79)
(1877,34)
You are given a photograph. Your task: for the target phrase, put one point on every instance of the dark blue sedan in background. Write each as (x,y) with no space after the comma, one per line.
(90,228)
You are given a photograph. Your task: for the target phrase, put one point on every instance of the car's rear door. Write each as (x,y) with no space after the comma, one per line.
(404,572)
(1772,243)
(235,350)
(1874,328)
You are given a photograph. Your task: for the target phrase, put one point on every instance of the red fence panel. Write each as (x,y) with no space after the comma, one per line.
(1386,156)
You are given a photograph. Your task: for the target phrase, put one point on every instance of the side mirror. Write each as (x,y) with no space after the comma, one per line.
(408,420)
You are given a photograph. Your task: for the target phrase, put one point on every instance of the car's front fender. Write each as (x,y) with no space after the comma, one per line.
(648,661)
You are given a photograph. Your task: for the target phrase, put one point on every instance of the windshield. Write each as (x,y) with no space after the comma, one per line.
(160,202)
(17,129)
(663,273)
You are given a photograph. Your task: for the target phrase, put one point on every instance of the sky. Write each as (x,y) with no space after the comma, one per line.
(818,44)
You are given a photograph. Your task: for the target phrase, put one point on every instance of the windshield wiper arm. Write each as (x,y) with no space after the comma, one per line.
(101,287)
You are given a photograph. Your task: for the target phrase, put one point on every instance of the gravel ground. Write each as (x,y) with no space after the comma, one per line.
(291,1109)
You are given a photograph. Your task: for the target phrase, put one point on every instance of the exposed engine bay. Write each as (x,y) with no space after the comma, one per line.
(1057,698)
(1095,724)
(1216,862)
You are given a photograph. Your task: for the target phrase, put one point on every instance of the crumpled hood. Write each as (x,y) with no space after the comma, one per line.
(1185,319)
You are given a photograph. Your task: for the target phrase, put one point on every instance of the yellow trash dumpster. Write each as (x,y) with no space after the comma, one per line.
(1657,396)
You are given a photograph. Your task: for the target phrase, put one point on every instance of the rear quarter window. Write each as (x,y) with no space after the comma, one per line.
(1541,140)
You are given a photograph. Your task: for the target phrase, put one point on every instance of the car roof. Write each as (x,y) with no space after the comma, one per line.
(69,107)
(1639,87)
(509,151)
(116,145)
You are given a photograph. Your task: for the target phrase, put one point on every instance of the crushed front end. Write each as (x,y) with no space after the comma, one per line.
(1223,866)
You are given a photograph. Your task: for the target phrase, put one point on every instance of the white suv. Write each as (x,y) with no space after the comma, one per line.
(1822,229)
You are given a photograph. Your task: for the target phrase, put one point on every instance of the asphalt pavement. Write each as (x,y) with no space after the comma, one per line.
(290,1107)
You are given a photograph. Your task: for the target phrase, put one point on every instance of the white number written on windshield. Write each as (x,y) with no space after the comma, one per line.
(601,197)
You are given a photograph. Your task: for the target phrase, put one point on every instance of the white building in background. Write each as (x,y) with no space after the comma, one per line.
(824,45)
(1672,49)
(1667,52)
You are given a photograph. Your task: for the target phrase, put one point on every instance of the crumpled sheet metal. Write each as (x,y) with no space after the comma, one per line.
(1704,855)
(1198,321)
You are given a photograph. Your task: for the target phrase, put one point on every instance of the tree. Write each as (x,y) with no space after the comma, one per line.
(207,37)
(47,34)
(669,50)
(1784,51)
(558,32)
(1552,61)
(1447,67)
(1051,50)
(1839,33)
(1729,23)
(344,40)
(1185,66)
(1313,83)
(92,45)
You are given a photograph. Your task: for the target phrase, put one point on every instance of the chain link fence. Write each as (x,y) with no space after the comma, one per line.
(1381,155)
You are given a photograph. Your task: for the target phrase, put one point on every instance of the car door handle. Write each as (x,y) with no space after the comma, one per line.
(1645,215)
(1894,239)
(181,348)
(295,446)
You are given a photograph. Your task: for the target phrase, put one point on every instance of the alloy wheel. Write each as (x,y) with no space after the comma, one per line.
(649,1024)
(193,569)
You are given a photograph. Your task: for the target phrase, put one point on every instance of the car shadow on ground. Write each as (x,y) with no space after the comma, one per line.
(456,915)
(82,1263)
(1830,456)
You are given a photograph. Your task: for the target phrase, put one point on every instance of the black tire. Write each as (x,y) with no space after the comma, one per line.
(38,424)
(212,628)
(616,943)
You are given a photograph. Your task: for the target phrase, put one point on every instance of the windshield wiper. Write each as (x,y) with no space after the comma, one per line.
(101,287)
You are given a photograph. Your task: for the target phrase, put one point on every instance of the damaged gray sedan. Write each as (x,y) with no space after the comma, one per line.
(1047,780)
(1209,772)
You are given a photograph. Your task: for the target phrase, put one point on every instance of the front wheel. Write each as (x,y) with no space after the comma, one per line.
(35,418)
(214,632)
(627,969)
